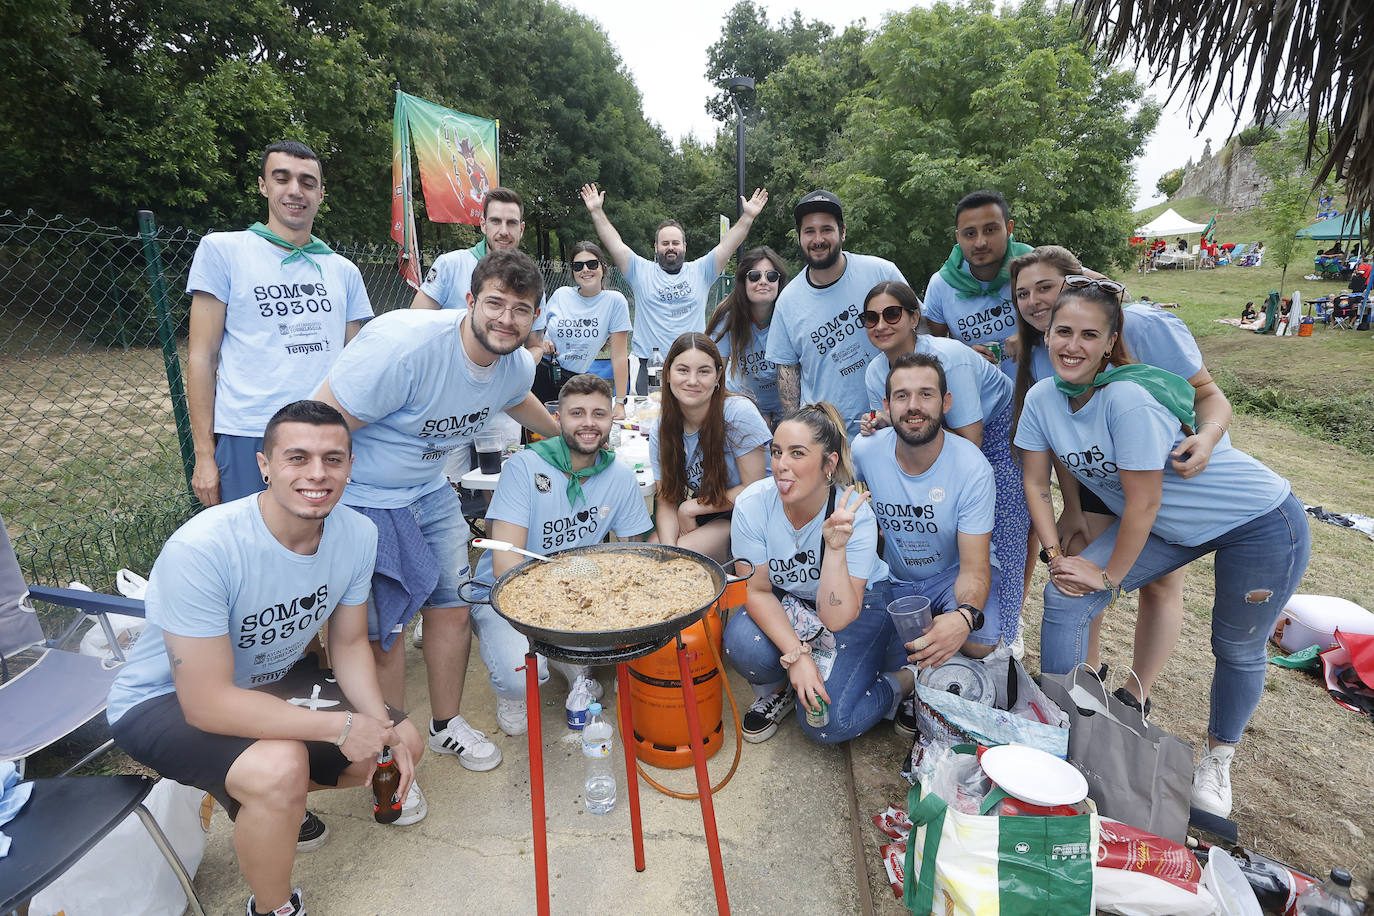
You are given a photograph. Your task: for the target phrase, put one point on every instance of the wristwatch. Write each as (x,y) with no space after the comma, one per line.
(620,401)
(976,614)
(1049,553)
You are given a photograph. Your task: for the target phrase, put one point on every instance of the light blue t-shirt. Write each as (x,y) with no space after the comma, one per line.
(980,391)
(579,327)
(818,328)
(407,376)
(754,375)
(922,515)
(1153,337)
(534,494)
(761,534)
(223,573)
(449,281)
(668,305)
(1123,428)
(284,324)
(745,431)
(989,318)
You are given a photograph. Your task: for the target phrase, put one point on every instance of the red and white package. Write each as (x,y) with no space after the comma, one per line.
(1129,848)
(894,857)
(893,822)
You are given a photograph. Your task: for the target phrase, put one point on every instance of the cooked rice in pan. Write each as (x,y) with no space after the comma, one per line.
(622,591)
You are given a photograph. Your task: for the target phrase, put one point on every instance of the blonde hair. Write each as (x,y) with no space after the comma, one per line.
(829,431)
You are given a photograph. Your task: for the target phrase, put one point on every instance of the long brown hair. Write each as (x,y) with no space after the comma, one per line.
(1110,306)
(829,431)
(735,314)
(1062,260)
(711,444)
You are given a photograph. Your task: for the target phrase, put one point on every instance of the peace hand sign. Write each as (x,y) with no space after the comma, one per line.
(838,528)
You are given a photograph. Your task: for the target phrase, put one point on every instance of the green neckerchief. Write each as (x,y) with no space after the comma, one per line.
(314,246)
(966,285)
(555,452)
(1173,391)
(479,251)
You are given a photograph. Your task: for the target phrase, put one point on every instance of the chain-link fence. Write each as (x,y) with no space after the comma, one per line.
(94,435)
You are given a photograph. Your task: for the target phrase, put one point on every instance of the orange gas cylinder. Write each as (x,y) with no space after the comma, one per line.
(660,714)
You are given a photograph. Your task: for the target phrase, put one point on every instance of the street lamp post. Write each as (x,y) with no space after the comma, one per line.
(735,86)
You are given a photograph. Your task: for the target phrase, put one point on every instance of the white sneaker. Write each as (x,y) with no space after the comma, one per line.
(1212,781)
(512,716)
(472,748)
(585,690)
(1018,645)
(417,638)
(414,809)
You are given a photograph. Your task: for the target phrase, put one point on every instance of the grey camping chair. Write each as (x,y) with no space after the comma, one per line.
(47,692)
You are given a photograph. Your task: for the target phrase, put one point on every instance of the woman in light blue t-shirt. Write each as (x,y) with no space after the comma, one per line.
(739,326)
(1114,424)
(582,319)
(1157,339)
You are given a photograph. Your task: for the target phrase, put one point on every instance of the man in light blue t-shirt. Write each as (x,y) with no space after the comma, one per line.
(218,693)
(669,291)
(935,497)
(414,386)
(271,309)
(449,279)
(816,338)
(969,297)
(568,491)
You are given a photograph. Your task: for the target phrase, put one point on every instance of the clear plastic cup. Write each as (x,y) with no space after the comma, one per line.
(490,448)
(910,616)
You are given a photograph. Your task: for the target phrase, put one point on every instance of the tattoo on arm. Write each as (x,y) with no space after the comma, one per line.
(174,661)
(1045,496)
(832,600)
(789,387)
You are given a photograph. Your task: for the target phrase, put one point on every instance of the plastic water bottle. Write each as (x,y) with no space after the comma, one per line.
(655,371)
(1330,898)
(597,741)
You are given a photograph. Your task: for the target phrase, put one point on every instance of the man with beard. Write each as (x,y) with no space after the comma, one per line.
(969,297)
(669,291)
(567,491)
(817,339)
(449,278)
(413,386)
(934,497)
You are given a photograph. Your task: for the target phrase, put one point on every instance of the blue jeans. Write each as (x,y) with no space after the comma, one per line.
(1258,567)
(860,694)
(440,517)
(939,588)
(503,651)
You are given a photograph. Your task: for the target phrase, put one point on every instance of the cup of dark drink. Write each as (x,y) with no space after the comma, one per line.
(489,450)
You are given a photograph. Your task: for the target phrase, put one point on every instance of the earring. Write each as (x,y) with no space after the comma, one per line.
(829,476)
(264,478)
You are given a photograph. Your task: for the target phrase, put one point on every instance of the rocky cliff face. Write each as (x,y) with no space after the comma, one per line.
(1231,180)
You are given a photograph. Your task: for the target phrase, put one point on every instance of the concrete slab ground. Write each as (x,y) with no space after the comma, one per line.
(784,822)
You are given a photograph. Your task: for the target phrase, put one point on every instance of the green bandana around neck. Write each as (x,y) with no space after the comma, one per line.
(555,452)
(1173,391)
(966,285)
(479,251)
(314,246)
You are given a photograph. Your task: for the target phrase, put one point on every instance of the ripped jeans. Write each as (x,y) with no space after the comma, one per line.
(1258,568)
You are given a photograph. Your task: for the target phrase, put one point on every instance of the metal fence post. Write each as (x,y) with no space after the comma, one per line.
(166,333)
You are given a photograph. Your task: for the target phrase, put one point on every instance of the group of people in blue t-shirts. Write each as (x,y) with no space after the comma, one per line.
(855,445)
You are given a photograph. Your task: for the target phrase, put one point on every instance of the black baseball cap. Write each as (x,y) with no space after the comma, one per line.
(819,201)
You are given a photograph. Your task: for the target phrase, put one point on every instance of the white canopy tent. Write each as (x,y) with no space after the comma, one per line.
(1169,223)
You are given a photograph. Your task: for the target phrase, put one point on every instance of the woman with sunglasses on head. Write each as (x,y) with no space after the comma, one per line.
(739,327)
(1152,337)
(980,412)
(582,319)
(706,447)
(814,624)
(1114,424)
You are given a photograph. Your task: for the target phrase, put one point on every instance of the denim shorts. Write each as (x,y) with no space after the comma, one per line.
(445,530)
(237,460)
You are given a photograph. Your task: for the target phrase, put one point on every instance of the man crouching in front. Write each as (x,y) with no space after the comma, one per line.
(218,693)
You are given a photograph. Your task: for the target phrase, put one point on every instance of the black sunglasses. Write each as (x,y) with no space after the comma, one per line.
(892,314)
(593,264)
(755,275)
(1078,281)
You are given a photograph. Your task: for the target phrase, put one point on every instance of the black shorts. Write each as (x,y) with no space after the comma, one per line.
(704,520)
(157,735)
(1091,502)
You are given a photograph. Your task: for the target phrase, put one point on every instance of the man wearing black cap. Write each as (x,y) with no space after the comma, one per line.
(817,340)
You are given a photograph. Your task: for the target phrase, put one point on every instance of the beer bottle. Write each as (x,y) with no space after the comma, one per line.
(386,806)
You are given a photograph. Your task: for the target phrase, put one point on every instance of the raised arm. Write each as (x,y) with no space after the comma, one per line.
(749,211)
(595,200)
(202,365)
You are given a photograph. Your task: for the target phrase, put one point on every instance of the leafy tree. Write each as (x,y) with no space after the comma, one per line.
(1169,183)
(748,46)
(1287,206)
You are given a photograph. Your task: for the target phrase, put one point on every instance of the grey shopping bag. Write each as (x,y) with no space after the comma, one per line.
(1137,773)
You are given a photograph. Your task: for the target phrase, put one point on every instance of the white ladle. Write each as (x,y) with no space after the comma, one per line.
(578,566)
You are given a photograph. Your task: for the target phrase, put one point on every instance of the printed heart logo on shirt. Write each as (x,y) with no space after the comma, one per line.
(1000,310)
(308,602)
(800,557)
(474,417)
(583,515)
(308,288)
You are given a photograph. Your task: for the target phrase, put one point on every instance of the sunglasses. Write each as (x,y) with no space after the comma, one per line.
(593,264)
(891,315)
(1078,281)
(755,275)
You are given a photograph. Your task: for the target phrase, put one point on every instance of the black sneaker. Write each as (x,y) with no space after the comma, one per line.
(293,907)
(1125,696)
(765,713)
(313,833)
(905,721)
